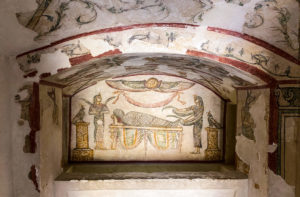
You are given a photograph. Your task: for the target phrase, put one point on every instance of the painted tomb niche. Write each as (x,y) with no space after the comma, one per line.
(144,118)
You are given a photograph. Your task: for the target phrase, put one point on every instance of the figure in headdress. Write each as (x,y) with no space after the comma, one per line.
(194,117)
(98,109)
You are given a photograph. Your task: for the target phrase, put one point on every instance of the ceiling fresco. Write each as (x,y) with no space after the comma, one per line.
(54,20)
(219,78)
(174,40)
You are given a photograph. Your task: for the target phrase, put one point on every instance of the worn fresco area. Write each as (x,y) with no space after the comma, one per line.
(238,2)
(146,117)
(166,40)
(252,141)
(279,18)
(248,123)
(25,118)
(215,77)
(54,17)
(279,187)
(50,163)
(58,19)
(22,120)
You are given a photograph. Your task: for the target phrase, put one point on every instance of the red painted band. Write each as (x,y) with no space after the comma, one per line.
(256,41)
(273,126)
(81,59)
(252,87)
(289,82)
(110,30)
(240,65)
(177,25)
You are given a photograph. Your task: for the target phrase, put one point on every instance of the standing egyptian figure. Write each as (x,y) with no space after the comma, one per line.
(194,117)
(98,109)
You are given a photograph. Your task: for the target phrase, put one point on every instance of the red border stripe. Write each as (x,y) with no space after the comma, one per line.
(109,30)
(289,82)
(84,58)
(240,65)
(178,25)
(256,41)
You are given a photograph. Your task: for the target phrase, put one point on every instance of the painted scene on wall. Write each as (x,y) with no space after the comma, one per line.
(146,118)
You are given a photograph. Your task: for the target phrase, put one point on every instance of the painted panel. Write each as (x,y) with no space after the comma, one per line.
(288,135)
(146,117)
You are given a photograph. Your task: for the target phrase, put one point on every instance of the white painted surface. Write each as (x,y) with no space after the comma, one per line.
(151,193)
(154,187)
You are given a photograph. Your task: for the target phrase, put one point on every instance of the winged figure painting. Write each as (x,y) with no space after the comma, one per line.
(174,88)
(152,84)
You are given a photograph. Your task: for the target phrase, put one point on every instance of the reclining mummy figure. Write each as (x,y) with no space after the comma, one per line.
(140,119)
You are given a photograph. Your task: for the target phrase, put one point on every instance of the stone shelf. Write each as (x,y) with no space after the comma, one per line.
(109,171)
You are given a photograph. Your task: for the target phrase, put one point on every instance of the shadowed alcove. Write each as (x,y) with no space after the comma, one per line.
(143,116)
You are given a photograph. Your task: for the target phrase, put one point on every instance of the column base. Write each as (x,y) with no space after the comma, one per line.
(212,154)
(80,154)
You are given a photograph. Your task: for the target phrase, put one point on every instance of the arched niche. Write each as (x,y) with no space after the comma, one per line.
(165,101)
(146,118)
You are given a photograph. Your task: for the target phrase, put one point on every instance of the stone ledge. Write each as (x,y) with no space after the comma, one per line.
(113,171)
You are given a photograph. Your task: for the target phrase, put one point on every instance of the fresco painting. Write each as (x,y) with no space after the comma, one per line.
(24,102)
(212,75)
(59,19)
(194,117)
(248,124)
(144,118)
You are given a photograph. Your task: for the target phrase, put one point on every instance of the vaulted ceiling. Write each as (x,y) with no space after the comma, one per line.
(222,45)
(274,21)
(219,78)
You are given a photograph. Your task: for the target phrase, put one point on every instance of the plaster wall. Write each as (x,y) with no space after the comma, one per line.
(18,165)
(6,178)
(15,163)
(11,31)
(23,162)
(278,186)
(51,136)
(252,138)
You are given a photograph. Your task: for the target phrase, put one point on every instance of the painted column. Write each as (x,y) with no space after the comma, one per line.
(82,152)
(212,152)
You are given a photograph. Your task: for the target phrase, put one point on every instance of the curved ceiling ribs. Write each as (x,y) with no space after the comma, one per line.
(239,55)
(275,22)
(218,58)
(217,77)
